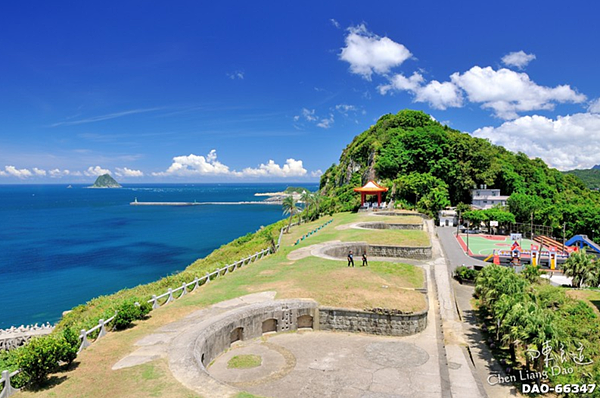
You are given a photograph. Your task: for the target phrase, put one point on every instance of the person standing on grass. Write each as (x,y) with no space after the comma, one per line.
(350,258)
(364,258)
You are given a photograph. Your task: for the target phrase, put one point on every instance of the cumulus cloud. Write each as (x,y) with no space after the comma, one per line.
(125,172)
(57,173)
(12,171)
(556,141)
(368,53)
(96,171)
(193,165)
(316,173)
(437,95)
(291,168)
(594,106)
(39,172)
(507,92)
(518,59)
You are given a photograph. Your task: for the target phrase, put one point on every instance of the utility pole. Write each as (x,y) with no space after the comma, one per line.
(458,224)
(468,227)
(564,232)
(531,226)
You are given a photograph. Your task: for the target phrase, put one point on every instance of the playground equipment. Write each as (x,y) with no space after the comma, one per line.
(581,240)
(549,242)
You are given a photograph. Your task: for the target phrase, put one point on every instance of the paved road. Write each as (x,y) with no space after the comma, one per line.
(454,252)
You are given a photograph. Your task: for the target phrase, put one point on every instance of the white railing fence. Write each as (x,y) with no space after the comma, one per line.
(157,301)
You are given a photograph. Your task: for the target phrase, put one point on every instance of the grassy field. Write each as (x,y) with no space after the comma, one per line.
(382,284)
(592,297)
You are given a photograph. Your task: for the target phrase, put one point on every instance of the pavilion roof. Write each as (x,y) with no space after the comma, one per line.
(371,187)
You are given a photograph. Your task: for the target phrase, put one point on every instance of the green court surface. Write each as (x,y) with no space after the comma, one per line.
(486,244)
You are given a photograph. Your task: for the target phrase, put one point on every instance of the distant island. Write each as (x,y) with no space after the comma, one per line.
(106,181)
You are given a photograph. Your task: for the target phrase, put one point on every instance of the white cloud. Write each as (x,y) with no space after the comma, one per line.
(326,123)
(316,173)
(335,23)
(438,95)
(518,59)
(368,53)
(196,165)
(57,173)
(39,172)
(96,171)
(594,106)
(236,75)
(12,171)
(125,172)
(507,92)
(558,142)
(345,108)
(310,116)
(402,83)
(291,168)
(193,165)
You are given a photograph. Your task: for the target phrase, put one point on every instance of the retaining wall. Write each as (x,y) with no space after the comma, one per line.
(383,225)
(341,319)
(340,250)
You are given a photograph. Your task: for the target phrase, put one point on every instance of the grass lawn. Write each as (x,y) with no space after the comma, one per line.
(382,284)
(244,362)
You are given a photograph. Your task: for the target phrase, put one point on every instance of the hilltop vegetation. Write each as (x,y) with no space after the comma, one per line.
(429,166)
(590,177)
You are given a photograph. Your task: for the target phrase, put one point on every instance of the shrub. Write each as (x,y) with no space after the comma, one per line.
(128,311)
(465,273)
(72,340)
(41,355)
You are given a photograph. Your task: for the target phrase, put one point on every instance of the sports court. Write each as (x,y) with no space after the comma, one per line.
(484,245)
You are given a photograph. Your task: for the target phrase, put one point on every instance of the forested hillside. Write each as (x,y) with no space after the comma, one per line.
(590,177)
(430,166)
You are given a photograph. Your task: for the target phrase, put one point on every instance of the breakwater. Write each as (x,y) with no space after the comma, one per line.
(136,203)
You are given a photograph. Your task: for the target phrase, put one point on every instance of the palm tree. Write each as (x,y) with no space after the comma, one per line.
(582,268)
(317,202)
(308,199)
(289,207)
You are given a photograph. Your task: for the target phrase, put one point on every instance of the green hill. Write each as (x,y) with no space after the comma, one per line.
(106,181)
(429,166)
(590,177)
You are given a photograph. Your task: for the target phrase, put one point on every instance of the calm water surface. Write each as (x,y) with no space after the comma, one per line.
(61,247)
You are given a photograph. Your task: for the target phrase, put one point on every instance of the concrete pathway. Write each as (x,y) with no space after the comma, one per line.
(482,359)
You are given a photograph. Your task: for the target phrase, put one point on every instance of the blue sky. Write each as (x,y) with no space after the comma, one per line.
(273,91)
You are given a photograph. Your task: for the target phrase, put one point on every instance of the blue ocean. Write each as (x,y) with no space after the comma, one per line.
(60,247)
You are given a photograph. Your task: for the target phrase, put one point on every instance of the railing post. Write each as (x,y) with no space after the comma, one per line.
(155,302)
(85,343)
(207,278)
(170,298)
(196,280)
(102,329)
(8,390)
(183,290)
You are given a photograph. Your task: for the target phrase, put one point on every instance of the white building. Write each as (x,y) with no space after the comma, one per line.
(484,198)
(448,217)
